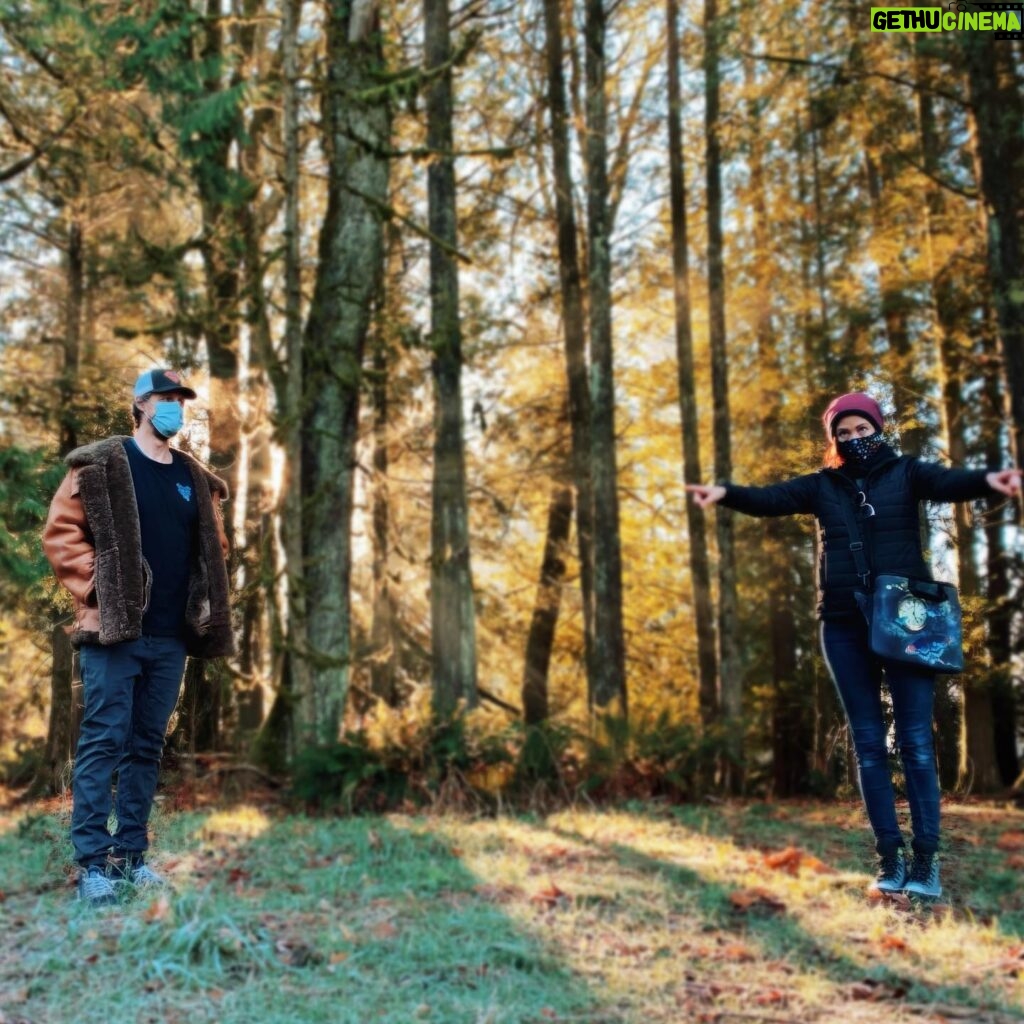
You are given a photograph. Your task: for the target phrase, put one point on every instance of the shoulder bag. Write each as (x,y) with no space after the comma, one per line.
(910,620)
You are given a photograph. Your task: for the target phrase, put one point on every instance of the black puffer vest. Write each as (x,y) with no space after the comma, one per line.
(893,485)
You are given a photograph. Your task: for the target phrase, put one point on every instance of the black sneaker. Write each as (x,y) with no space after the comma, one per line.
(923,879)
(95,888)
(892,872)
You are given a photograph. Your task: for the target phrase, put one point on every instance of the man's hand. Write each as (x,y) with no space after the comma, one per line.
(1006,482)
(706,496)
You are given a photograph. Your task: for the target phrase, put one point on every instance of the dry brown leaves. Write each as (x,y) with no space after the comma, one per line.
(756,900)
(792,859)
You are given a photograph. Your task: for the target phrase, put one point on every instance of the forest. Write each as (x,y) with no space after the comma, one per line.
(469,293)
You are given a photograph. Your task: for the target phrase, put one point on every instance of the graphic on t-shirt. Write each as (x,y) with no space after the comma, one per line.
(185,492)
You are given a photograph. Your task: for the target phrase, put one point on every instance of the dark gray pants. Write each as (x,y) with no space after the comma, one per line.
(130,691)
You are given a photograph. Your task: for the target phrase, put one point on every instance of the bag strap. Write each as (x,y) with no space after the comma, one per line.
(857,547)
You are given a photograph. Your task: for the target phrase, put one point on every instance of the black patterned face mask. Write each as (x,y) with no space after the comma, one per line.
(860,449)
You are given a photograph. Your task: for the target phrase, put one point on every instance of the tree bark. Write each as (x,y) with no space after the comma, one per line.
(998,109)
(700,572)
(356,134)
(382,631)
(730,665)
(792,730)
(609,682)
(975,763)
(573,325)
(540,641)
(452,613)
(1000,603)
(829,720)
(62,731)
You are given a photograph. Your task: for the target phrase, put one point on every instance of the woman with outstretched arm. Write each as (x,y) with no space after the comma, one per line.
(882,489)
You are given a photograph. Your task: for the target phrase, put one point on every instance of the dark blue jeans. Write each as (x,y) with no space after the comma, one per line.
(130,691)
(857,673)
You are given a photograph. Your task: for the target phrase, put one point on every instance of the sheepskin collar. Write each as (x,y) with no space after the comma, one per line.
(99,453)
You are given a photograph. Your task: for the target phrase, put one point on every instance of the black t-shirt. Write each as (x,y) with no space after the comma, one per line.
(169,517)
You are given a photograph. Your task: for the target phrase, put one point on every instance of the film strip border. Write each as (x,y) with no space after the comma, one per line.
(976,6)
(1002,33)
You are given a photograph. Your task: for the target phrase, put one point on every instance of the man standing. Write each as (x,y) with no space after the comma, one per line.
(135,533)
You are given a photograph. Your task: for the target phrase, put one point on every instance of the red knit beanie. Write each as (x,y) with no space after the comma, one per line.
(845,405)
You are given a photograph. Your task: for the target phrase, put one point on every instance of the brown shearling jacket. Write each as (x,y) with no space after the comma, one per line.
(93,541)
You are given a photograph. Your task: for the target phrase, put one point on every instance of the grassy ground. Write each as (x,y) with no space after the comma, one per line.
(750,912)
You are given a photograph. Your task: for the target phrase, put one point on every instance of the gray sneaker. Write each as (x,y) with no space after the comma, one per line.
(95,888)
(923,878)
(137,873)
(892,872)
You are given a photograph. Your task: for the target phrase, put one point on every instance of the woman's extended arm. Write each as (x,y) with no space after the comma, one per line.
(793,497)
(933,482)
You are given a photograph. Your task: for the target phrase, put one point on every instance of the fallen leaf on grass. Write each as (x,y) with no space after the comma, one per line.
(773,997)
(746,900)
(893,943)
(158,910)
(792,859)
(897,900)
(623,949)
(784,860)
(384,930)
(549,897)
(1011,841)
(737,952)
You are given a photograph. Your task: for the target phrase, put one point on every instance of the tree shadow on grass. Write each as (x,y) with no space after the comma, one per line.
(978,877)
(293,920)
(785,938)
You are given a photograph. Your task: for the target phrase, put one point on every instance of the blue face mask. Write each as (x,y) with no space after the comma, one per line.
(168,419)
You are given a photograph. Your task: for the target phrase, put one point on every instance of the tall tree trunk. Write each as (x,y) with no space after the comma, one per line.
(452,614)
(207,693)
(383,659)
(62,732)
(260,357)
(792,730)
(730,666)
(950,715)
(990,83)
(540,641)
(999,112)
(356,134)
(573,325)
(609,682)
(700,573)
(277,738)
(828,717)
(1000,602)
